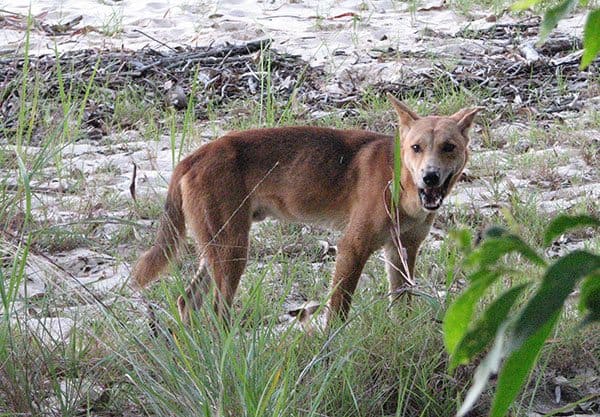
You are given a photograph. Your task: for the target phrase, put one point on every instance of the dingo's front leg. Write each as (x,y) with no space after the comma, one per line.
(353,251)
(401,278)
(399,270)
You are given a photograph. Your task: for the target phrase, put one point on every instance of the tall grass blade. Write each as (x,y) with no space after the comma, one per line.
(24,82)
(396,180)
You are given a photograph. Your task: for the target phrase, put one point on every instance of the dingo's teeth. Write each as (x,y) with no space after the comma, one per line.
(431,197)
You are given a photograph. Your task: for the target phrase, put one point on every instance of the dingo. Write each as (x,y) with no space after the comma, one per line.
(339,178)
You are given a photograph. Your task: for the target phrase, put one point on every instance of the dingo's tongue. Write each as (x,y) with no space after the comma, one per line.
(431,197)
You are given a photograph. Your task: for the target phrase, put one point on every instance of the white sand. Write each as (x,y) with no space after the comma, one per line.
(304,27)
(338,34)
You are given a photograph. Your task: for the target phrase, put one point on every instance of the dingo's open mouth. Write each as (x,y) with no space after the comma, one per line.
(432,197)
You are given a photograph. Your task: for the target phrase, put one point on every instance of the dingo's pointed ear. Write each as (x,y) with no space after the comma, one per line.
(464,118)
(406,115)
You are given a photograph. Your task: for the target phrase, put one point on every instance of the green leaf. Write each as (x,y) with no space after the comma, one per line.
(524,4)
(561,224)
(495,231)
(552,17)
(493,248)
(591,39)
(517,366)
(458,316)
(480,335)
(396,184)
(25,178)
(557,284)
(590,298)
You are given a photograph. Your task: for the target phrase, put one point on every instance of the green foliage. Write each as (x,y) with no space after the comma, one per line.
(591,38)
(460,313)
(477,338)
(590,298)
(517,367)
(554,15)
(499,244)
(516,337)
(591,30)
(396,184)
(562,223)
(559,281)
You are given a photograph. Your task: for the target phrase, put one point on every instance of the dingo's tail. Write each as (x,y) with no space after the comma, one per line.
(171,232)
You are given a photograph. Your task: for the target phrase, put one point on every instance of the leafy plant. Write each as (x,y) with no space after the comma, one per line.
(516,337)
(591,30)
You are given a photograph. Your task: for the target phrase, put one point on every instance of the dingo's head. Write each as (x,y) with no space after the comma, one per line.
(434,150)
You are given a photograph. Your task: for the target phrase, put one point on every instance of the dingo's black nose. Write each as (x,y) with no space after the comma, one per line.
(431,179)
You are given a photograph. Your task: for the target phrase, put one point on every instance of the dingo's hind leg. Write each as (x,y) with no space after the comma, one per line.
(221,225)
(194,293)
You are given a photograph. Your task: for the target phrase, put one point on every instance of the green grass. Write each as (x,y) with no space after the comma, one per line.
(257,370)
(383,362)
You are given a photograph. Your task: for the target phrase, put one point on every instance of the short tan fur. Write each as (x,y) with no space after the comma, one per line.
(336,178)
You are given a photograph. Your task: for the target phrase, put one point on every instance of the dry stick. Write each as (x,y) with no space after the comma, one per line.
(12,13)
(170,62)
(132,185)
(395,231)
(155,40)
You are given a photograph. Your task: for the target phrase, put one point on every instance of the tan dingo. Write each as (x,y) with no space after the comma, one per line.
(338,178)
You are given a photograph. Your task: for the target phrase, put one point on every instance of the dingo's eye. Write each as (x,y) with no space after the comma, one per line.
(448,147)
(416,148)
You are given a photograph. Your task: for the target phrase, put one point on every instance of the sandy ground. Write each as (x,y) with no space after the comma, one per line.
(351,26)
(335,34)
